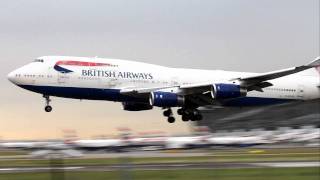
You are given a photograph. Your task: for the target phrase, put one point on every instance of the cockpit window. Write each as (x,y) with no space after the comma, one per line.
(38,60)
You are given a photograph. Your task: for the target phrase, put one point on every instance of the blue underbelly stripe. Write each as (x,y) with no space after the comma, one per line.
(81,93)
(115,95)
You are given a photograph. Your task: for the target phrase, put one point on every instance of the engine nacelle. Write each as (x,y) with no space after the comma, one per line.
(166,99)
(225,91)
(133,106)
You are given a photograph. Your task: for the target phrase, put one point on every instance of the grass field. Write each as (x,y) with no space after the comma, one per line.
(205,174)
(266,156)
(108,161)
(238,155)
(12,153)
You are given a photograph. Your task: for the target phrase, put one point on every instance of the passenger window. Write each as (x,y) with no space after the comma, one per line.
(38,60)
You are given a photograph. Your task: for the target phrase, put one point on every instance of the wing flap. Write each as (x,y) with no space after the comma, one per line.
(134,91)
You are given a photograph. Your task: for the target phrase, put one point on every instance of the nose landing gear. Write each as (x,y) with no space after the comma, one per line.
(168,113)
(47,108)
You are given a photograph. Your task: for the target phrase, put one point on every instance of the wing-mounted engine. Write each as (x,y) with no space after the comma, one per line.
(226,91)
(133,106)
(166,99)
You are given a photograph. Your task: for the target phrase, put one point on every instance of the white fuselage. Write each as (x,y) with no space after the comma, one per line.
(103,79)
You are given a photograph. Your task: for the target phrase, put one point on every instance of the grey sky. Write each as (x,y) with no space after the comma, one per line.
(241,35)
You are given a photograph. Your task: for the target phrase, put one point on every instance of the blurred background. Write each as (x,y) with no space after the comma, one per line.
(98,140)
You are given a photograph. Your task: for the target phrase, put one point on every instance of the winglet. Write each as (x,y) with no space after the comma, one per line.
(315,63)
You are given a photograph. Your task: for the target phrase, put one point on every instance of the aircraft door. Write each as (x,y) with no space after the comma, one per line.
(63,77)
(300,92)
(175,81)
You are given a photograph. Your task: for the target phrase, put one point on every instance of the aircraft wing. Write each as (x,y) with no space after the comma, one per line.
(256,82)
(277,74)
(184,89)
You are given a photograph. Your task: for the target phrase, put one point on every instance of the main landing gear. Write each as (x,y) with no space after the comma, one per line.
(187,114)
(47,108)
(190,114)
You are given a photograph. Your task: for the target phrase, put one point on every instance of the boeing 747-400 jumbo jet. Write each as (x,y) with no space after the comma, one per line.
(142,86)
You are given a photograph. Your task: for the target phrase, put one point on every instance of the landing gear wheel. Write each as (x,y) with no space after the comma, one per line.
(185,118)
(48,108)
(190,114)
(171,119)
(167,113)
(193,119)
(180,111)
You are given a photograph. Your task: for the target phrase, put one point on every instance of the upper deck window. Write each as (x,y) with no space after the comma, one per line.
(38,60)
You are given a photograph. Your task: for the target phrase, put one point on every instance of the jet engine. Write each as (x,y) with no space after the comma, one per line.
(133,106)
(166,99)
(226,91)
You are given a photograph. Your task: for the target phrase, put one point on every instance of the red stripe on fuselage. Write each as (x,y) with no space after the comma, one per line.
(82,63)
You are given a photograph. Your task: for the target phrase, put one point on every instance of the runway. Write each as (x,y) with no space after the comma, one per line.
(163,166)
(176,153)
(132,154)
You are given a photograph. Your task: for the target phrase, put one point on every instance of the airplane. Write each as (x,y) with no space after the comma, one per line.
(142,86)
(22,145)
(186,142)
(297,135)
(42,148)
(99,144)
(238,141)
(149,143)
(312,135)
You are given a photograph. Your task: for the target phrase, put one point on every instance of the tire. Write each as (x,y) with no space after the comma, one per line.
(180,111)
(185,118)
(167,113)
(48,108)
(171,119)
(193,119)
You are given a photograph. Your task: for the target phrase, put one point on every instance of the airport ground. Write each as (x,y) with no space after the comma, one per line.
(227,164)
(203,174)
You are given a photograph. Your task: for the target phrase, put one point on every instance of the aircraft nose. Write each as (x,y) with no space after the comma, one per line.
(11,76)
